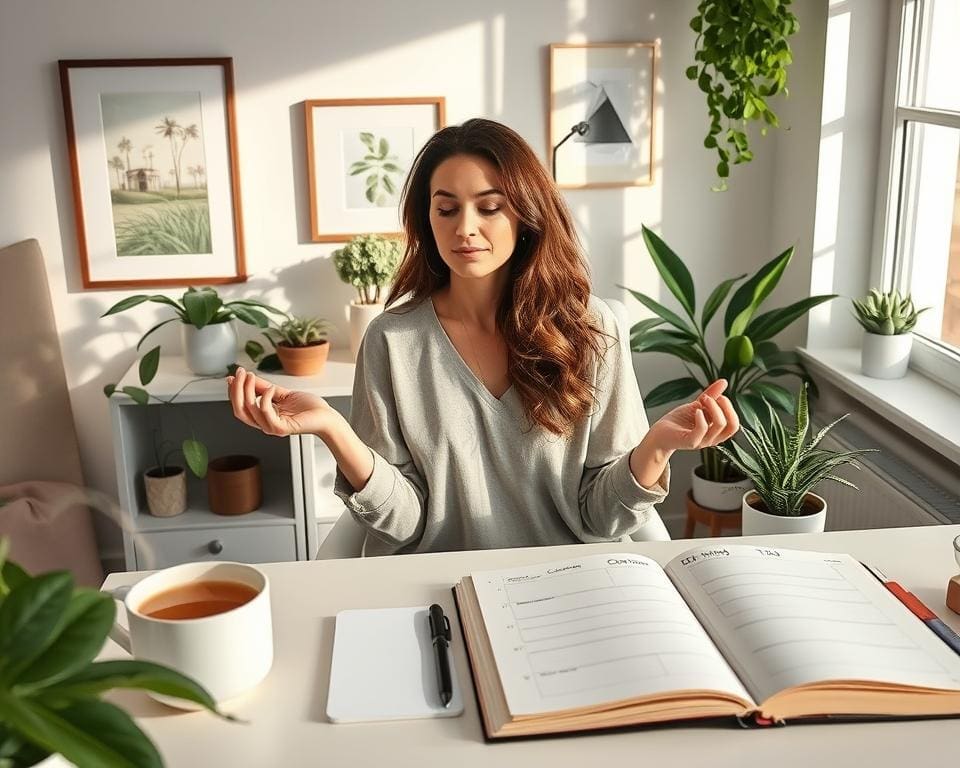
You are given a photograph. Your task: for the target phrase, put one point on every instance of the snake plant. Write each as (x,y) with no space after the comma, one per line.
(783,464)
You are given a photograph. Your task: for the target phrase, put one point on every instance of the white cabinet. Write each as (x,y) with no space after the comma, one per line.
(298,502)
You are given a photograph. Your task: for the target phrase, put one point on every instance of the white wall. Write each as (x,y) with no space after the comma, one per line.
(487,59)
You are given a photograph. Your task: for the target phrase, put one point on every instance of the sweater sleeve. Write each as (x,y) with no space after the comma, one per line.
(391,505)
(612,502)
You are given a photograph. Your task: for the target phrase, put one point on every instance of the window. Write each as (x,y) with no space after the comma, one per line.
(921,210)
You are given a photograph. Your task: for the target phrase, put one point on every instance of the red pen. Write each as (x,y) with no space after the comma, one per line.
(934,623)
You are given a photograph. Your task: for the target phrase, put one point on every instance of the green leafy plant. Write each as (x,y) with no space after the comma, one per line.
(750,358)
(295,331)
(886,314)
(741,57)
(198,307)
(783,464)
(50,685)
(380,166)
(368,262)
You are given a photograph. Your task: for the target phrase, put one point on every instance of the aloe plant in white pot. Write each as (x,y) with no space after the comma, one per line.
(888,320)
(785,467)
(368,263)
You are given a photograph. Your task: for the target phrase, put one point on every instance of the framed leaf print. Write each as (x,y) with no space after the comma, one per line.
(359,152)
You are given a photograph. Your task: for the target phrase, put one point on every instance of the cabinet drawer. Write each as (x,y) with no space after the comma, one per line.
(254,544)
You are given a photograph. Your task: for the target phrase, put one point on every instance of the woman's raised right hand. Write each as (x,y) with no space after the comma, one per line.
(278,411)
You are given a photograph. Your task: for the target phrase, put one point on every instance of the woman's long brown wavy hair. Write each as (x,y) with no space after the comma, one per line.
(552,341)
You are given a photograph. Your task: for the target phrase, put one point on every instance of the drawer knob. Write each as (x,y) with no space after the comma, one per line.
(215,547)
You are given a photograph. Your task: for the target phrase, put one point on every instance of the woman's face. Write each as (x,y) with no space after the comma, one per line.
(473,225)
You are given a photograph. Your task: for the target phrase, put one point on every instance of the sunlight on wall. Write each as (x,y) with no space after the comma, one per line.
(829,171)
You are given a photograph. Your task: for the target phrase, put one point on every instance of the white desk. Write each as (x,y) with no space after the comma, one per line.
(288,726)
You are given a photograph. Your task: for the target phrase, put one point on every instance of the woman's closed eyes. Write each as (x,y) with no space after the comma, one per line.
(451,211)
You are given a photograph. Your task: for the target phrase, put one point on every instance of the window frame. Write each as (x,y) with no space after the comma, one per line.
(889,267)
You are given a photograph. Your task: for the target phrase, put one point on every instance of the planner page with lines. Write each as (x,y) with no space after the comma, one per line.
(785,618)
(594,630)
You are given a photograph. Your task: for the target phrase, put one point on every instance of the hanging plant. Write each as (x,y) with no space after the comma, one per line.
(742,55)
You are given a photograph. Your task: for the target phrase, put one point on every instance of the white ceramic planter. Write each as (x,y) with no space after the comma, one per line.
(885,357)
(209,350)
(756,522)
(361,315)
(722,497)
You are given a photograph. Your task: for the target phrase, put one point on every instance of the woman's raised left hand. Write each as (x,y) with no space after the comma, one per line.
(702,423)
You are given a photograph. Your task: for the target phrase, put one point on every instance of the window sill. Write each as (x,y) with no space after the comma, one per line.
(918,405)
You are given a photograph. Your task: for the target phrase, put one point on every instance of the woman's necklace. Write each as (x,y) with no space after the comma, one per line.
(473,350)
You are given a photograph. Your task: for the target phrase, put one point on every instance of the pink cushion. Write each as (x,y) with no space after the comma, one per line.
(49,527)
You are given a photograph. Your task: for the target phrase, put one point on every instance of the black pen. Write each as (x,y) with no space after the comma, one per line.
(440,635)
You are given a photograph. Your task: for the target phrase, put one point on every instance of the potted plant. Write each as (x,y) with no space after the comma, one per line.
(300,346)
(367,262)
(750,359)
(742,52)
(785,467)
(209,339)
(50,687)
(165,484)
(887,320)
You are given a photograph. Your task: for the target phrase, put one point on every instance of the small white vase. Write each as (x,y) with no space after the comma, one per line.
(209,350)
(722,497)
(755,522)
(361,315)
(885,357)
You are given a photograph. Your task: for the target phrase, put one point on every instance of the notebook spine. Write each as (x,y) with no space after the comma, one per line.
(756,720)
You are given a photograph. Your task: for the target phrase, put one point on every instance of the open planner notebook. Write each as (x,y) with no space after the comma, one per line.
(764,635)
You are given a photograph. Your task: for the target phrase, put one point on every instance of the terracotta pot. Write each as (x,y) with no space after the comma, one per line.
(234,485)
(303,361)
(166,493)
(757,521)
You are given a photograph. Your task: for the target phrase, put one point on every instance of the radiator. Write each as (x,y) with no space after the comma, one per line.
(892,492)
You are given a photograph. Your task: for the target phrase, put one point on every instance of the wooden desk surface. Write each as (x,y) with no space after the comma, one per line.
(288,726)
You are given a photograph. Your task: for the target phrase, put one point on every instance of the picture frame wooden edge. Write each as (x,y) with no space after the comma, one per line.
(226,62)
(439,103)
(655,60)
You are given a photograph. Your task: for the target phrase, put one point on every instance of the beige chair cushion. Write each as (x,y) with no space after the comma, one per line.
(37,438)
(50,529)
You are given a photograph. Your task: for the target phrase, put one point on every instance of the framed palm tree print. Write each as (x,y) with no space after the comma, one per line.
(358,154)
(152,147)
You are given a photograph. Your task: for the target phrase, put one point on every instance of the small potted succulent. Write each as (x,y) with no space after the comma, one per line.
(887,320)
(51,686)
(367,262)
(300,346)
(209,339)
(785,466)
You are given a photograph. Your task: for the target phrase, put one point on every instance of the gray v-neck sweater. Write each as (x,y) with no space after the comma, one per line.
(455,468)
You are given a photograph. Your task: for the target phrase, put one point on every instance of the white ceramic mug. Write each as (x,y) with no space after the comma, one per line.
(227,653)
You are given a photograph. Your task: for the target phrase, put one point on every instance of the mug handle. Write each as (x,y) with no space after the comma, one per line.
(119,634)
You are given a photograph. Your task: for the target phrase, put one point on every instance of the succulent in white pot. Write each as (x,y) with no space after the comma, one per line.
(888,320)
(368,263)
(785,467)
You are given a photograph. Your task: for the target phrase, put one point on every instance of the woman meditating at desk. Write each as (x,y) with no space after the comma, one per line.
(493,405)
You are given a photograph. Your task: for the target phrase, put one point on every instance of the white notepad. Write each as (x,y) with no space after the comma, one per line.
(384,668)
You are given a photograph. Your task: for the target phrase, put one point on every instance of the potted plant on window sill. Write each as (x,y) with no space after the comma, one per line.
(50,688)
(300,346)
(750,359)
(888,321)
(785,467)
(367,262)
(209,339)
